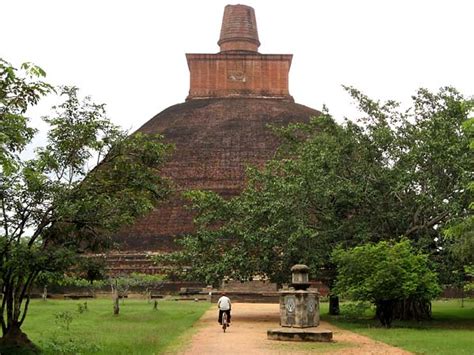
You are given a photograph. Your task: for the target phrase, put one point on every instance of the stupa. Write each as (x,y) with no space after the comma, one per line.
(219,130)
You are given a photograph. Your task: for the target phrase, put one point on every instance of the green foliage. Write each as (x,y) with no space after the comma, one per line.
(139,280)
(91,268)
(459,232)
(89,179)
(64,319)
(81,307)
(80,282)
(469,272)
(121,284)
(292,212)
(391,173)
(128,280)
(384,273)
(71,345)
(19,89)
(355,310)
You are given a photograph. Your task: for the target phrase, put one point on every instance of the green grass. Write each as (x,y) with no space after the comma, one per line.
(137,330)
(451,331)
(141,330)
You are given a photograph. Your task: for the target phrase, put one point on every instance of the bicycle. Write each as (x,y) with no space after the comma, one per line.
(225,323)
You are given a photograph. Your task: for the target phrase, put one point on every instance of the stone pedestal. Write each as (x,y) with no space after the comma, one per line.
(292,334)
(299,308)
(299,311)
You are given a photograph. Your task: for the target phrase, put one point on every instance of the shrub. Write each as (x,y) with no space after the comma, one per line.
(386,274)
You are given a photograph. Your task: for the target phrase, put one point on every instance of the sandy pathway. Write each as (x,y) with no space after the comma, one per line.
(248,335)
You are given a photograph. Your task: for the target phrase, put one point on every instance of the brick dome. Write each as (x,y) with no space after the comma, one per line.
(221,129)
(215,140)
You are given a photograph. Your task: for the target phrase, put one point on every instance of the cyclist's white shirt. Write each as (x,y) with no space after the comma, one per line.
(224,303)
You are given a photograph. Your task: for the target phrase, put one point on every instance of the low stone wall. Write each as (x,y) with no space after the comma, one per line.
(74,292)
(249,286)
(248,297)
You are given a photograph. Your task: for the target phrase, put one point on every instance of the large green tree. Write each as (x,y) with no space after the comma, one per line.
(459,232)
(389,174)
(52,206)
(386,274)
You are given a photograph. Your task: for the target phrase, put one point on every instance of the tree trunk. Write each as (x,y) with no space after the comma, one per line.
(412,309)
(334,305)
(115,297)
(92,289)
(44,296)
(384,312)
(14,341)
(116,305)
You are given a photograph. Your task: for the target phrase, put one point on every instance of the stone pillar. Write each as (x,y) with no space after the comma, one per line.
(299,308)
(299,311)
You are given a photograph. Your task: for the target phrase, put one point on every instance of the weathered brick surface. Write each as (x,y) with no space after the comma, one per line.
(239,75)
(248,286)
(239,70)
(239,29)
(215,140)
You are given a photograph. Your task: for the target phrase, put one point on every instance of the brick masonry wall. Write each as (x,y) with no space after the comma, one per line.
(215,140)
(239,29)
(239,75)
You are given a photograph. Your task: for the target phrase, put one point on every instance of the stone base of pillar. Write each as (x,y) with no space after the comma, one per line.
(306,334)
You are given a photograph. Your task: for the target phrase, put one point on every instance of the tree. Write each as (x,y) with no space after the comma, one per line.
(91,268)
(389,174)
(17,93)
(300,207)
(121,284)
(53,207)
(460,231)
(384,274)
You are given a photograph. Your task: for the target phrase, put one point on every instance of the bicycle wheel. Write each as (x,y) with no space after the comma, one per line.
(224,322)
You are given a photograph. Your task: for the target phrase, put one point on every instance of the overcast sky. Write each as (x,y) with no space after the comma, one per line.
(131,54)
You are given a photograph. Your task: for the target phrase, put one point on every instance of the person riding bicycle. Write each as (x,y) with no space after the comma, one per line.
(224,306)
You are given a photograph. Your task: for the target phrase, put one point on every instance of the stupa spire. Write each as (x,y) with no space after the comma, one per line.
(239,29)
(239,70)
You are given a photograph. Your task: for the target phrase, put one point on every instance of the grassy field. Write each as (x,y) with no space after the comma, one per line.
(451,331)
(139,329)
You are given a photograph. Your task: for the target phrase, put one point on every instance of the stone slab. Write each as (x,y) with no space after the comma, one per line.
(307,334)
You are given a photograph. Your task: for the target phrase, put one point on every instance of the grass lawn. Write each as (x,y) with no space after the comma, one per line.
(137,330)
(450,332)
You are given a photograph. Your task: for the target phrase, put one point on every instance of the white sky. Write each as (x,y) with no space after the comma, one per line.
(131,54)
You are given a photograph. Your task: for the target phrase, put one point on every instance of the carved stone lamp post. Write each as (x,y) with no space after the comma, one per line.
(299,308)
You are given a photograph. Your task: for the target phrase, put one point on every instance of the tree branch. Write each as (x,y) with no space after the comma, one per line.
(26,292)
(44,222)
(429,224)
(5,217)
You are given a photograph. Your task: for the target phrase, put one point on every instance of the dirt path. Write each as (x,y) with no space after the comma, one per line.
(248,335)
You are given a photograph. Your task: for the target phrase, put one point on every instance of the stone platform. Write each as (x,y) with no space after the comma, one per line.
(300,334)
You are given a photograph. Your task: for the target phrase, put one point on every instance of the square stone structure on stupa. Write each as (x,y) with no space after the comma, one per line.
(219,130)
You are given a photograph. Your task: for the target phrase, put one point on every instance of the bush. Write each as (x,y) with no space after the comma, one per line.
(57,345)
(386,274)
(355,310)
(64,319)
